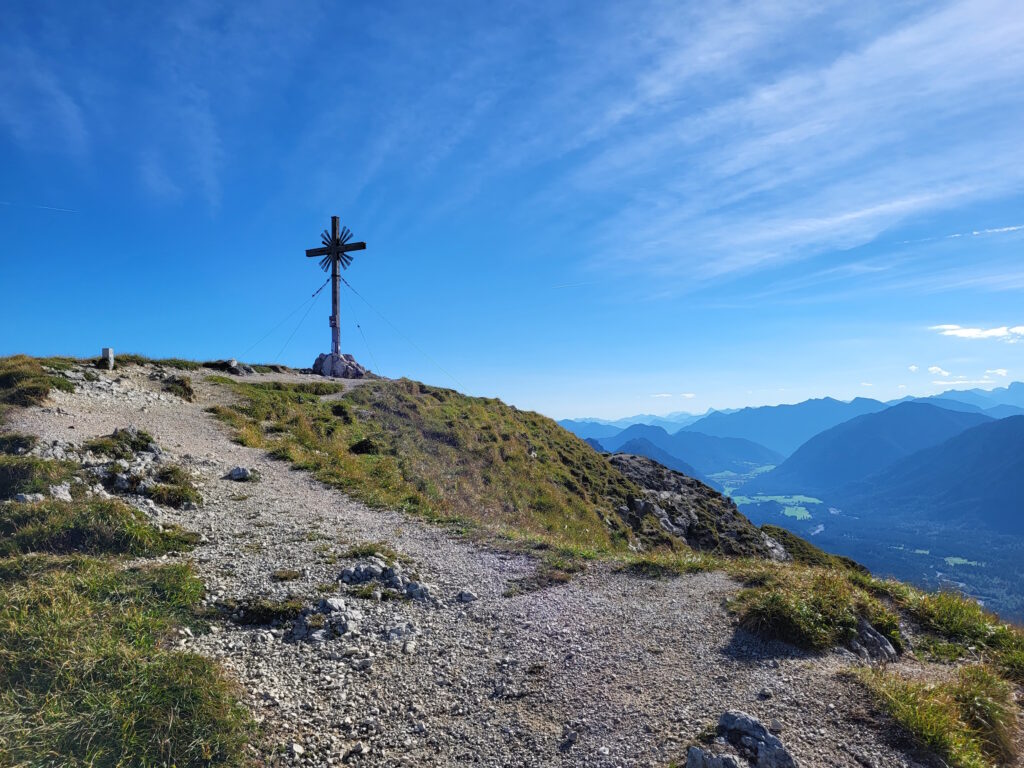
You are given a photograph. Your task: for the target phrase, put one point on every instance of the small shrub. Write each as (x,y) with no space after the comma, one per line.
(176,496)
(264,611)
(180,386)
(285,574)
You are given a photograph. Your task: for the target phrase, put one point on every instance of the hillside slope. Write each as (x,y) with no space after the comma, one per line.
(976,477)
(784,428)
(862,446)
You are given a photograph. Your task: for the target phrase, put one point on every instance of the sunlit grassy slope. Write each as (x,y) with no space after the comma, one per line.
(471,461)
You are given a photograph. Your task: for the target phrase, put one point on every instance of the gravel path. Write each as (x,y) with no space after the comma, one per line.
(608,670)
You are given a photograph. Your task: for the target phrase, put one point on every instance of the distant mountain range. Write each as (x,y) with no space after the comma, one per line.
(857,448)
(929,489)
(977,477)
(708,454)
(783,428)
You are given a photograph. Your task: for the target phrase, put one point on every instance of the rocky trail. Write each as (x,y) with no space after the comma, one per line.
(607,670)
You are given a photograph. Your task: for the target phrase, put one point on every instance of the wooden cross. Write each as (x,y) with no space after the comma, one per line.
(335,250)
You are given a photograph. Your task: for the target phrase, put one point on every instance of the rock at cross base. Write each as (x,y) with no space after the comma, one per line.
(338,367)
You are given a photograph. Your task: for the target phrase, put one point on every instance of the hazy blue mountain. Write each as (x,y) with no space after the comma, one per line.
(705,453)
(644,447)
(864,445)
(594,443)
(599,428)
(1012,394)
(585,428)
(1002,411)
(784,428)
(949,404)
(976,477)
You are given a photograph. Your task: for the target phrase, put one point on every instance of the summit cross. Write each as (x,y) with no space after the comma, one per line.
(335,252)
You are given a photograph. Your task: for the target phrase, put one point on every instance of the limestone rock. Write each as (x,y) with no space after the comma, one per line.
(872,645)
(338,367)
(751,737)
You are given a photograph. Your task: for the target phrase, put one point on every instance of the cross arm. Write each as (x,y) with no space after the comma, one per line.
(317,251)
(353,247)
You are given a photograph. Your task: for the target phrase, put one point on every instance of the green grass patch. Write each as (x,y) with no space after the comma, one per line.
(375,549)
(813,608)
(24,382)
(285,574)
(971,721)
(95,526)
(87,679)
(14,444)
(180,386)
(174,488)
(121,444)
(661,564)
(510,474)
(28,474)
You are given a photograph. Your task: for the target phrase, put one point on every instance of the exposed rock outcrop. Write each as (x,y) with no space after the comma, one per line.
(685,507)
(338,367)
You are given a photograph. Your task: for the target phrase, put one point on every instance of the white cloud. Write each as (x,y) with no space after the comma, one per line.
(936,371)
(691,395)
(662,394)
(1003,332)
(866,384)
(969,382)
(912,368)
(902,386)
(998,372)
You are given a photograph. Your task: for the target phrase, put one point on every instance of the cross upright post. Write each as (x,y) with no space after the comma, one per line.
(335,254)
(335,291)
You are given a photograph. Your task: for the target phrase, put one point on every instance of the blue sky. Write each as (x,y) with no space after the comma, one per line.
(583,208)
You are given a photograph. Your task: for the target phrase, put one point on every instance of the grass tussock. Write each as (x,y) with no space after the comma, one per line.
(376,549)
(439,454)
(664,563)
(14,444)
(970,721)
(25,382)
(94,526)
(174,488)
(87,679)
(28,474)
(285,574)
(954,623)
(121,444)
(810,607)
(263,611)
(180,386)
